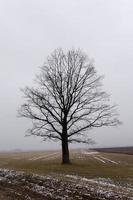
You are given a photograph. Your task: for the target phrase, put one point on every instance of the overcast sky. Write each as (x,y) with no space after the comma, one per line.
(31,29)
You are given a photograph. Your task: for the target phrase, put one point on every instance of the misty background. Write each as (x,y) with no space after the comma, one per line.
(31,30)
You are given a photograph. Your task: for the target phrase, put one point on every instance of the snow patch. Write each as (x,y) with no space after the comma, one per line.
(44,157)
(108,160)
(97,158)
(89,152)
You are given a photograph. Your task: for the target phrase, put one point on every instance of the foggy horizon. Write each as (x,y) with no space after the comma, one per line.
(31,30)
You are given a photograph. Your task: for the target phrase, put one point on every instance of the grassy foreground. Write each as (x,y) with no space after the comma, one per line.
(81,164)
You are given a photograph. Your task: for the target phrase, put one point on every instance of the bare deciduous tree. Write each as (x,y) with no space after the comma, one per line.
(69,100)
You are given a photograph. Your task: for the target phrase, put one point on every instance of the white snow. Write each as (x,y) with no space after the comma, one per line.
(104,186)
(52,187)
(97,158)
(89,152)
(44,157)
(108,160)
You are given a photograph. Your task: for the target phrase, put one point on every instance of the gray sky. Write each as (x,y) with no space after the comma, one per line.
(31,29)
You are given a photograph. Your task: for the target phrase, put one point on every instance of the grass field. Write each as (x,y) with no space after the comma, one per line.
(83,164)
(116,168)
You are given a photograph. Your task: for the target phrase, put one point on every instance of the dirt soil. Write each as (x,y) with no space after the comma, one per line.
(22,186)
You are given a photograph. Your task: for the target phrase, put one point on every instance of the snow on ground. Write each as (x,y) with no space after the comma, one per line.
(44,156)
(62,187)
(106,187)
(108,160)
(98,158)
(89,152)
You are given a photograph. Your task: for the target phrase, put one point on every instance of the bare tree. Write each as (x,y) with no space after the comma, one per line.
(68,100)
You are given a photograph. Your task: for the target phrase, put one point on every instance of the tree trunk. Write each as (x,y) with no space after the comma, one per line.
(65,151)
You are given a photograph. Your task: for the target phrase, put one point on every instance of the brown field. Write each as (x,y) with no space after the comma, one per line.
(91,175)
(123,150)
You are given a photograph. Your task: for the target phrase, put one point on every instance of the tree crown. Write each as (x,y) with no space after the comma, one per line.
(69,96)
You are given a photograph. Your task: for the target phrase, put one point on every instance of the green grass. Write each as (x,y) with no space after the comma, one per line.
(86,166)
